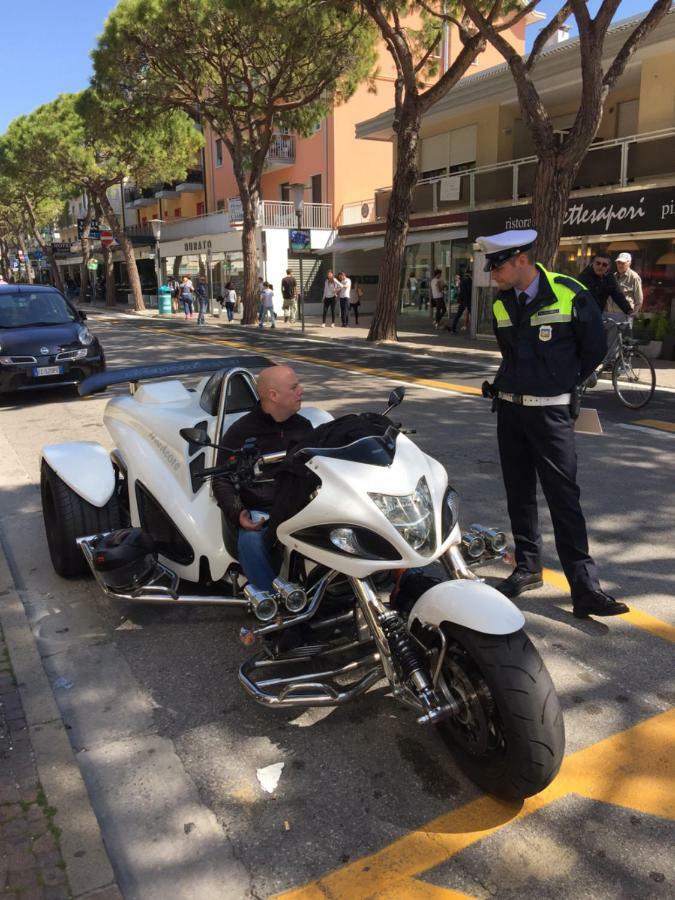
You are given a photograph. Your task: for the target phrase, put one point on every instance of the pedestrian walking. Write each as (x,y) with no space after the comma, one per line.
(412,291)
(463,299)
(550,335)
(437,299)
(230,301)
(630,284)
(289,297)
(185,293)
(355,300)
(202,292)
(331,290)
(267,305)
(345,290)
(262,287)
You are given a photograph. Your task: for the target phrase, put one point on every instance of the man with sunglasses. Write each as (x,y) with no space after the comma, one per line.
(550,335)
(602,284)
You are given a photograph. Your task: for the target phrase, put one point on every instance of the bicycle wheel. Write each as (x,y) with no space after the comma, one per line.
(633,378)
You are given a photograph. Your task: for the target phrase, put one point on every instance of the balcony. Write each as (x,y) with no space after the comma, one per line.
(638,160)
(281,214)
(196,226)
(193,183)
(281,151)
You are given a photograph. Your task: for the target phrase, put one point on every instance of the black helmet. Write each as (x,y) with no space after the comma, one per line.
(125,559)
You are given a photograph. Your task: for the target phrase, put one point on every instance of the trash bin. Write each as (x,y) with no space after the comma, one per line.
(165,308)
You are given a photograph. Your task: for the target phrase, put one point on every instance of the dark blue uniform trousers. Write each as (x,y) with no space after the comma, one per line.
(539,441)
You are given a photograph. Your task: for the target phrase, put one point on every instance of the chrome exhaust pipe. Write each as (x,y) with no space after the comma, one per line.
(495,540)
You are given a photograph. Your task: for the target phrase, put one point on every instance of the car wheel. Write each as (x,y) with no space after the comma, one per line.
(67,516)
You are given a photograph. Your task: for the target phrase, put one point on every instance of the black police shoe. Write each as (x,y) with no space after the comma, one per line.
(597,603)
(518,582)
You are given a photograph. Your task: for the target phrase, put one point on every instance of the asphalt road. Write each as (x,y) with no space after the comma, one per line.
(368,803)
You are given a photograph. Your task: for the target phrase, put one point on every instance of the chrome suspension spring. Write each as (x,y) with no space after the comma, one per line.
(407,655)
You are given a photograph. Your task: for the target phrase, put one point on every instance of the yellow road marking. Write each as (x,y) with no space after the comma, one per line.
(349,367)
(556,579)
(656,423)
(633,769)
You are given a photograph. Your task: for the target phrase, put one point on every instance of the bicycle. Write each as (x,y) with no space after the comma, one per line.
(633,375)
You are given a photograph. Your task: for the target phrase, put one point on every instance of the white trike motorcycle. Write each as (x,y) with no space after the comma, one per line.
(144,519)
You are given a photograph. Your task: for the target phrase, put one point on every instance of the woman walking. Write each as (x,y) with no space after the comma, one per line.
(355,295)
(185,295)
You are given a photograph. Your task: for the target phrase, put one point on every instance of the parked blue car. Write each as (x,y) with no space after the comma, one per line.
(43,340)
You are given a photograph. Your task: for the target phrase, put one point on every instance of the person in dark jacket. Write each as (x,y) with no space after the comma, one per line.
(276,424)
(549,331)
(602,284)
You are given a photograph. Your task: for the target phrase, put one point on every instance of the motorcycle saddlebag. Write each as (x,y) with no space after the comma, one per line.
(125,559)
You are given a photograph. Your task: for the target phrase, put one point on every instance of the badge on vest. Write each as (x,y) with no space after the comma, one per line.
(545,332)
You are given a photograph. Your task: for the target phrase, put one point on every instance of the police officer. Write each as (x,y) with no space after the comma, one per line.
(550,334)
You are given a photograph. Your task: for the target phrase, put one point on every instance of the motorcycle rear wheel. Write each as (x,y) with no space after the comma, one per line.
(509,736)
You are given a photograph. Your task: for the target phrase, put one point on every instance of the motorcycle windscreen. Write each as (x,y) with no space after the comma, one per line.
(375,450)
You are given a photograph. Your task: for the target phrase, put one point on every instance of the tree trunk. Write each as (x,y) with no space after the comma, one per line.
(383,327)
(553,182)
(86,251)
(29,268)
(109,277)
(42,244)
(249,202)
(5,267)
(127,249)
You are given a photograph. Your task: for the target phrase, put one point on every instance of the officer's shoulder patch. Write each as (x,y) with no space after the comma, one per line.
(569,282)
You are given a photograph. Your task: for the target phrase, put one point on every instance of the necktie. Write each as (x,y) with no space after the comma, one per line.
(522,304)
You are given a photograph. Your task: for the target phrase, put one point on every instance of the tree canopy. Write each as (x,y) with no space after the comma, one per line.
(247,69)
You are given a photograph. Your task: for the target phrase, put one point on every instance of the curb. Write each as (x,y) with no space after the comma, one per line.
(88,866)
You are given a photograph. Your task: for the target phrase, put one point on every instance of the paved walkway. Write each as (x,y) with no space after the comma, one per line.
(416,334)
(31,865)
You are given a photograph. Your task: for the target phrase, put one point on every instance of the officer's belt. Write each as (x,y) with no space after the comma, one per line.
(529,400)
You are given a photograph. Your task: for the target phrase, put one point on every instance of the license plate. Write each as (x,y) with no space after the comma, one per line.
(47,370)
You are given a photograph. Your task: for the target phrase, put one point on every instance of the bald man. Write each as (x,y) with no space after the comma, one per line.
(275,424)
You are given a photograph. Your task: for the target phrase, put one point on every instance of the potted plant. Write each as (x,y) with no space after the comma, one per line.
(642,327)
(668,348)
(658,329)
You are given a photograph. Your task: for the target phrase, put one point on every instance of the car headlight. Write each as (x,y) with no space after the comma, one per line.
(85,336)
(412,515)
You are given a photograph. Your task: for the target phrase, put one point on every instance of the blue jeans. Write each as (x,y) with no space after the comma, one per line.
(187,306)
(255,558)
(203,307)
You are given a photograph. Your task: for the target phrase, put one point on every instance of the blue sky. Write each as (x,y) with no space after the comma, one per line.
(47,43)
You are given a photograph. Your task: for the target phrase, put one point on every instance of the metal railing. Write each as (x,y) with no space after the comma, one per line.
(619,162)
(281,214)
(282,149)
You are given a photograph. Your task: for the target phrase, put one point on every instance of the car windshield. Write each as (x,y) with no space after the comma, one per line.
(21,308)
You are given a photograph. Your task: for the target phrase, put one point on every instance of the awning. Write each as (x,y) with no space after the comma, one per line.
(374,242)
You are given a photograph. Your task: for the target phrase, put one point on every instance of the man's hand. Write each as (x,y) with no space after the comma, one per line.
(247,523)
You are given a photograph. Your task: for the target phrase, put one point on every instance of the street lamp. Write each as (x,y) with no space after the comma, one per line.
(298,192)
(156,225)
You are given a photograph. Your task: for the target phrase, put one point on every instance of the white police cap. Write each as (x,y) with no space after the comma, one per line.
(500,247)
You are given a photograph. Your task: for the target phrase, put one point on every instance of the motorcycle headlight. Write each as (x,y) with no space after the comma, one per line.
(85,336)
(412,515)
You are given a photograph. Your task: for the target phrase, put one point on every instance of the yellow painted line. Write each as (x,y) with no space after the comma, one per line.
(412,889)
(656,423)
(556,579)
(348,367)
(633,769)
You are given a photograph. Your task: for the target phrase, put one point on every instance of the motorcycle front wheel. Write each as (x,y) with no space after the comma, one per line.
(509,734)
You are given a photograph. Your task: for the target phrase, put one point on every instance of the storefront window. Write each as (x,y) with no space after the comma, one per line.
(224,267)
(451,257)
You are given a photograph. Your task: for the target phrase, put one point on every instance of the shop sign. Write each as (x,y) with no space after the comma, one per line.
(61,246)
(619,213)
(197,246)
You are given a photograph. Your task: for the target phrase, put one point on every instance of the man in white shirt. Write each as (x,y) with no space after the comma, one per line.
(630,284)
(345,290)
(331,290)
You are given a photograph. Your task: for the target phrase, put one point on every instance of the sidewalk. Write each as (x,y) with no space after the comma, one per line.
(416,335)
(31,864)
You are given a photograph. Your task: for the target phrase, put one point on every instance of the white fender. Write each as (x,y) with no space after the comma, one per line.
(85,467)
(469,603)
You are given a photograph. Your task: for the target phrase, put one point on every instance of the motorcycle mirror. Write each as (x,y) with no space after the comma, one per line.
(195,436)
(395,398)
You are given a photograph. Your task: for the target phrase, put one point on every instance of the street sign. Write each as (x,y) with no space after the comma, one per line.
(94,229)
(61,246)
(107,238)
(38,254)
(299,240)
(92,264)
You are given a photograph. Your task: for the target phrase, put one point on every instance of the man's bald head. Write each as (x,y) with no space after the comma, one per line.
(280,392)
